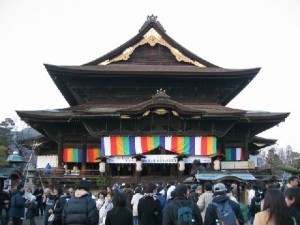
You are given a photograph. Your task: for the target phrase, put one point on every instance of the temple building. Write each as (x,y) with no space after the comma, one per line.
(149,107)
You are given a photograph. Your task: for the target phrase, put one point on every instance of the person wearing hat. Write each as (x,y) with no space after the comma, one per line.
(81,209)
(170,214)
(220,197)
(193,196)
(17,210)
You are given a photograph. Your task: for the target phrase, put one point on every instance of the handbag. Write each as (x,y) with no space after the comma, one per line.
(51,217)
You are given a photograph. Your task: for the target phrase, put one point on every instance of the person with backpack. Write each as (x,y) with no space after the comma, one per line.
(194,196)
(181,210)
(222,209)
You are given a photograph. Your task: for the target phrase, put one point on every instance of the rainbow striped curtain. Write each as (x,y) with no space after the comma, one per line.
(234,154)
(72,155)
(129,145)
(92,154)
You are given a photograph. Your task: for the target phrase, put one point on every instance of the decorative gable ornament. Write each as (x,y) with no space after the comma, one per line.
(152,38)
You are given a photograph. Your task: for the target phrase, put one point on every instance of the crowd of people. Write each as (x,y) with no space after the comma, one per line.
(153,204)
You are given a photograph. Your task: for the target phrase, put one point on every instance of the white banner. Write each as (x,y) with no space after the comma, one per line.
(42,161)
(157,159)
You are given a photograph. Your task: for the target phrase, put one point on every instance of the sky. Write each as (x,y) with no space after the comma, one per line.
(232,34)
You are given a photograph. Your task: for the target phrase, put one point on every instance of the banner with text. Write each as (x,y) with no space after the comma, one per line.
(156,159)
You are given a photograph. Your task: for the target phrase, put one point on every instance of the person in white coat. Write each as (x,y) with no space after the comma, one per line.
(134,202)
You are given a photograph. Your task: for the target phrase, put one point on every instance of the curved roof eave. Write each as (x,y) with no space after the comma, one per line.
(262,116)
(146,70)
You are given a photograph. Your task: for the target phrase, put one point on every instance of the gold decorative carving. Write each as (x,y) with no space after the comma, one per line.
(161,111)
(125,117)
(152,38)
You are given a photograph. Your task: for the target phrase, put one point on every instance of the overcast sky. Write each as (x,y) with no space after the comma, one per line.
(232,34)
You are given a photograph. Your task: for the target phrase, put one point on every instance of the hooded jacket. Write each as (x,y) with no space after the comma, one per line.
(17,209)
(80,209)
(211,211)
(170,216)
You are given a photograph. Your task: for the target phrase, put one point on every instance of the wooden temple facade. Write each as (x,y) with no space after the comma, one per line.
(152,98)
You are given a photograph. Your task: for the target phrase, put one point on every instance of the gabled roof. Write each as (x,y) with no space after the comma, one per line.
(134,60)
(152,33)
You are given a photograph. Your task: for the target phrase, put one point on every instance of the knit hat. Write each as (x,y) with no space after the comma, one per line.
(84,184)
(194,186)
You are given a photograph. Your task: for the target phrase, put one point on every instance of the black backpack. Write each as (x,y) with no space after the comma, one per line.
(194,196)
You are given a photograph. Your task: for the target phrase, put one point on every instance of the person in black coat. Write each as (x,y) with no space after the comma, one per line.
(220,197)
(32,209)
(149,208)
(81,209)
(292,199)
(17,210)
(4,207)
(119,214)
(128,194)
(255,205)
(38,193)
(170,215)
(60,202)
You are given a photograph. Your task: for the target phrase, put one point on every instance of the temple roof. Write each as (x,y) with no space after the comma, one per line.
(114,90)
(152,33)
(154,60)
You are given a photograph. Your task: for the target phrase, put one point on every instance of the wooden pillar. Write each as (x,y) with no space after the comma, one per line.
(60,152)
(246,153)
(84,149)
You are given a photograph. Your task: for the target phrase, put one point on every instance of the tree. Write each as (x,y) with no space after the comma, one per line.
(6,128)
(15,138)
(3,155)
(279,158)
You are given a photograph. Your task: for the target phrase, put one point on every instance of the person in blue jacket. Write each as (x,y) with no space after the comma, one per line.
(17,209)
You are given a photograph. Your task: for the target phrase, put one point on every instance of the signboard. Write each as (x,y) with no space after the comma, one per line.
(227,165)
(202,159)
(170,159)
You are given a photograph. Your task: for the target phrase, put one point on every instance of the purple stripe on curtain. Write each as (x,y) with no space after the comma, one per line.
(132,145)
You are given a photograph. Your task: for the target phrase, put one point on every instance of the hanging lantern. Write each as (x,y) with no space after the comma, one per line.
(217,164)
(138,165)
(181,165)
(102,167)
